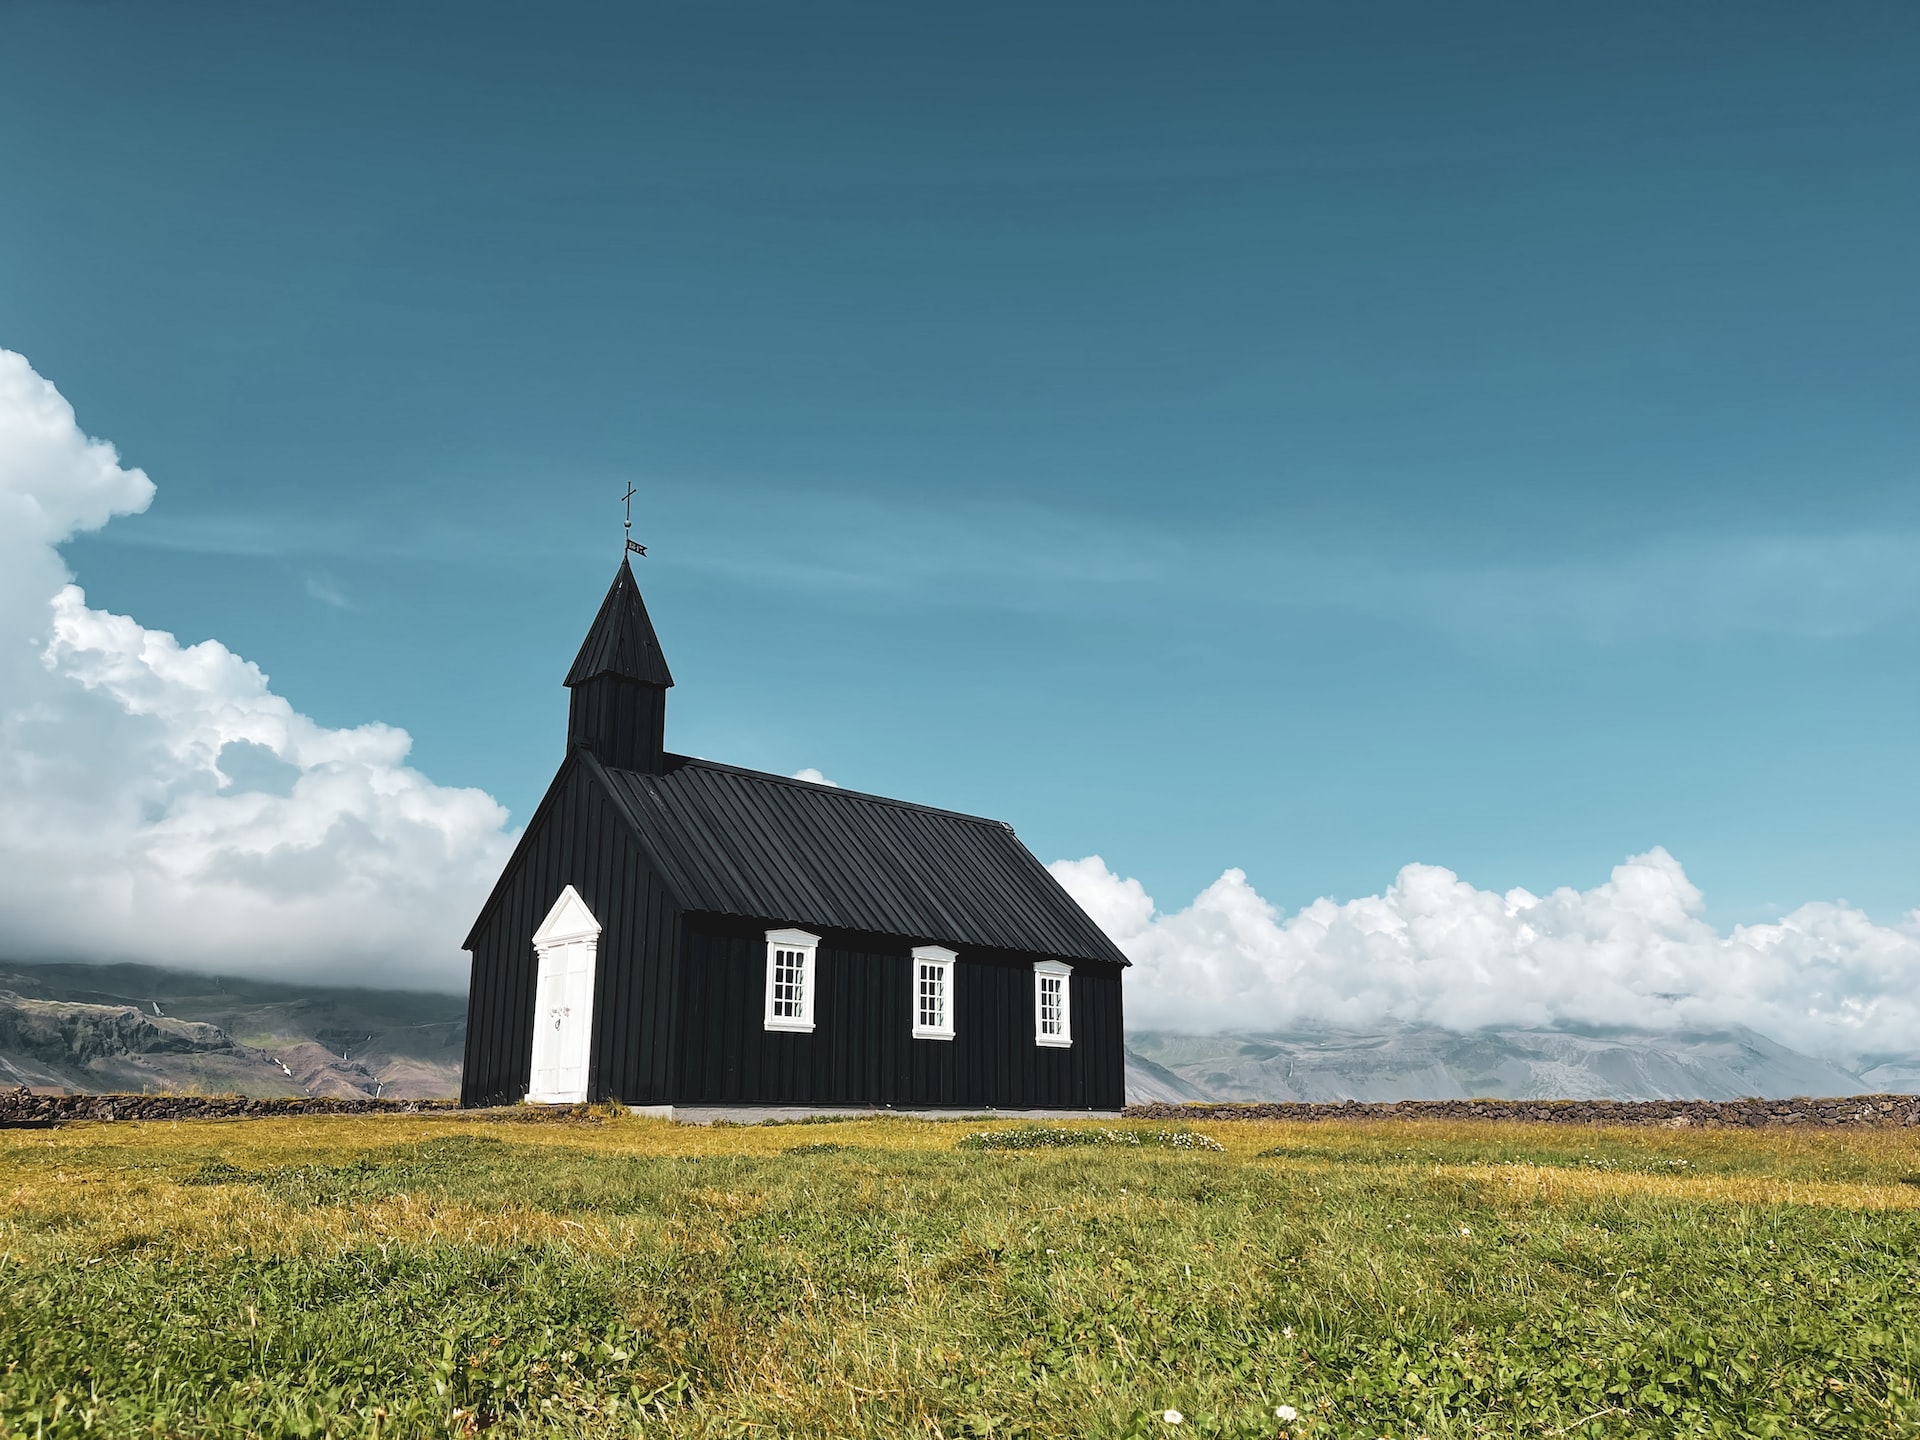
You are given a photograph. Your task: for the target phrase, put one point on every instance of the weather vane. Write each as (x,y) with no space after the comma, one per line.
(634,545)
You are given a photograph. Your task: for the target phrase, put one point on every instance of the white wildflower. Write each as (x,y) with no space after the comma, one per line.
(1173,1417)
(1285,1412)
(1466,1230)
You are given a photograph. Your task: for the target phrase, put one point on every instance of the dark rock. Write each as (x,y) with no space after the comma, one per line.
(1874,1111)
(24,1108)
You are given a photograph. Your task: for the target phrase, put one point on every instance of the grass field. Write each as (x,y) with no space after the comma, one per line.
(452,1275)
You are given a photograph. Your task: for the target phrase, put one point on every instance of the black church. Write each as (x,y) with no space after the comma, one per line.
(676,934)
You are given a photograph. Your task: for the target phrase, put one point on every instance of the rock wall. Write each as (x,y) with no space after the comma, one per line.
(1857,1110)
(26,1107)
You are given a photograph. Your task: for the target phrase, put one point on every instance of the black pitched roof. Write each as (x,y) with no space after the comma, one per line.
(621,641)
(740,842)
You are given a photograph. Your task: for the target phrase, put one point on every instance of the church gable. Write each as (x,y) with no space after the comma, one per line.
(576,873)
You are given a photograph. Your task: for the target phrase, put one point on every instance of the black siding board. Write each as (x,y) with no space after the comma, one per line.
(576,840)
(528,839)
(862,1050)
(622,721)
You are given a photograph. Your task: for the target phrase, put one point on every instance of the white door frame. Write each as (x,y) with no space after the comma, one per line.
(567,945)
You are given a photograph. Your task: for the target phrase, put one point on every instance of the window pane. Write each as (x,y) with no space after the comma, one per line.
(789,984)
(931,996)
(1050,988)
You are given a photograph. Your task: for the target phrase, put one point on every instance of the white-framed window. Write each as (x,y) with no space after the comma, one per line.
(1052,1003)
(932,992)
(790,981)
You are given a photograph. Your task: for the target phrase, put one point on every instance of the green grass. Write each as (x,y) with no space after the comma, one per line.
(445,1275)
(1073,1137)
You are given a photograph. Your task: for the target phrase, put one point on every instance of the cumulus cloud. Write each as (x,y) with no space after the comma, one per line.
(814,777)
(159,802)
(1632,952)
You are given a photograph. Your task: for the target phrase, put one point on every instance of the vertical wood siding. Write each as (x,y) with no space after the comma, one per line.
(577,840)
(862,1050)
(623,720)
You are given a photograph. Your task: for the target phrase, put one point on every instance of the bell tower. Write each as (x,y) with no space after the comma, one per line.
(619,683)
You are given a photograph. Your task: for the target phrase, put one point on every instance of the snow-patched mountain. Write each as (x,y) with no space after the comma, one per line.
(1425,1063)
(138,1028)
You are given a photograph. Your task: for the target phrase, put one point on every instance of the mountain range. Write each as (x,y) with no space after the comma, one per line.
(138,1028)
(1427,1063)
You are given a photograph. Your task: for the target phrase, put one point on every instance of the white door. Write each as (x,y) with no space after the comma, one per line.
(563,1003)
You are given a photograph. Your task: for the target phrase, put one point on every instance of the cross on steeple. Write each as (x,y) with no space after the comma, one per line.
(633,545)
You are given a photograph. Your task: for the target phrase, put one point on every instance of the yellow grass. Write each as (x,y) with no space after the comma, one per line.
(58,1174)
(1535,1183)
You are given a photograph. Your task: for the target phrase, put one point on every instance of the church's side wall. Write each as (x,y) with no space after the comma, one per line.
(862,1050)
(576,839)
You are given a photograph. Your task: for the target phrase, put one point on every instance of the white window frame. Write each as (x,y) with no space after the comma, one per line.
(1044,970)
(938,960)
(806,945)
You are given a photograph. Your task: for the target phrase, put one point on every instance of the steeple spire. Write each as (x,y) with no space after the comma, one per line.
(619,682)
(621,641)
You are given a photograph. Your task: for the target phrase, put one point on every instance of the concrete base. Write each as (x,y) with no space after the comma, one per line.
(761,1114)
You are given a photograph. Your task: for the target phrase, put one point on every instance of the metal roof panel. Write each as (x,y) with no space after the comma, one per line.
(742,842)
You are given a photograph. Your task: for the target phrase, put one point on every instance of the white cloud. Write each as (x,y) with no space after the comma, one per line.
(1632,952)
(159,802)
(814,777)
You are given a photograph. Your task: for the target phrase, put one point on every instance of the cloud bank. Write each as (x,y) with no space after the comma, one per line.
(1633,952)
(159,802)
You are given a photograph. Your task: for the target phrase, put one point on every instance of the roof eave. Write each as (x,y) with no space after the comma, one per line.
(513,861)
(597,770)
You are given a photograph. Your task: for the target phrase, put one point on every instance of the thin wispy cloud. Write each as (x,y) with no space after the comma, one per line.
(253,537)
(1021,556)
(1002,554)
(1814,587)
(1017,555)
(322,587)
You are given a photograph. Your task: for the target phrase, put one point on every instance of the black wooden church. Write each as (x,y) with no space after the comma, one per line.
(671,932)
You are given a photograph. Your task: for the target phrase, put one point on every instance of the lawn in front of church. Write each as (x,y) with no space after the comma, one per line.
(450,1275)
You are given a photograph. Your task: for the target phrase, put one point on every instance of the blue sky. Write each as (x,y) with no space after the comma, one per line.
(1241,436)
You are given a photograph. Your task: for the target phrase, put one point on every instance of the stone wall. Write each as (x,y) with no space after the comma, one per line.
(1872,1110)
(27,1107)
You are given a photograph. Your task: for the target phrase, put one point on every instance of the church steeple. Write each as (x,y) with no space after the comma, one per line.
(619,682)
